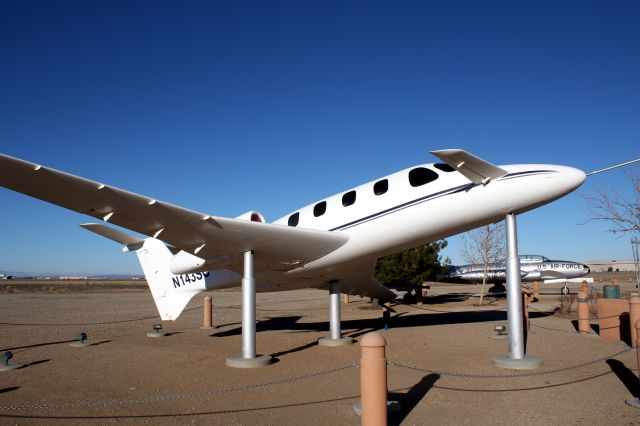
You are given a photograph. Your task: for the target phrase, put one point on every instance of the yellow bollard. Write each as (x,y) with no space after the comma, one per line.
(208,322)
(584,324)
(634,317)
(373,380)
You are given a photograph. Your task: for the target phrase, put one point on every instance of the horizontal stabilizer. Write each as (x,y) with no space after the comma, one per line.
(473,168)
(130,242)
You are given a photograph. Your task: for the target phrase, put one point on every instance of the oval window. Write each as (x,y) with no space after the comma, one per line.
(320,208)
(444,167)
(294,219)
(420,176)
(380,187)
(349,198)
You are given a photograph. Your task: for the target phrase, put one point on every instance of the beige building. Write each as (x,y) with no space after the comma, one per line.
(615,265)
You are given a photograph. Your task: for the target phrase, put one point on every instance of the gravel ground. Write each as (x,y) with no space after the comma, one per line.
(440,354)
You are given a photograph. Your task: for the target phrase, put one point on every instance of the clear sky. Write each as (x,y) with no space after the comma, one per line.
(225,107)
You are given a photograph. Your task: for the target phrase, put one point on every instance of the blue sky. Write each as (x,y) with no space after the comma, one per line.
(225,107)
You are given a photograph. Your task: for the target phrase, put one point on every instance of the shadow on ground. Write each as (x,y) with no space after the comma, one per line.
(409,400)
(625,375)
(357,327)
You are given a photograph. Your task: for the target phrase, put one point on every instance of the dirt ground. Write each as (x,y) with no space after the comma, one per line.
(440,370)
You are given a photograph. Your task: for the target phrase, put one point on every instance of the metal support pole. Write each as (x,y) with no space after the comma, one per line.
(248,308)
(514,291)
(334,309)
(515,359)
(249,359)
(335,338)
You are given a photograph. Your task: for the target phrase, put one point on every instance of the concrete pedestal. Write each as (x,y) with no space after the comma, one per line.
(634,402)
(341,341)
(255,362)
(9,367)
(529,362)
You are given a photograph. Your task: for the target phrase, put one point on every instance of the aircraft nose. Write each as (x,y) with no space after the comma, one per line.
(573,177)
(587,268)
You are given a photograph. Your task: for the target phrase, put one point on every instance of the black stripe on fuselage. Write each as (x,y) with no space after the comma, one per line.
(404,206)
(429,197)
(529,173)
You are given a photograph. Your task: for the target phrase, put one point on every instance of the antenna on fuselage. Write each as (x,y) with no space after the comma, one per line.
(614,167)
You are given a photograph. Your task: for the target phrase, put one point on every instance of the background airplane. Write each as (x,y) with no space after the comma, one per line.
(532,268)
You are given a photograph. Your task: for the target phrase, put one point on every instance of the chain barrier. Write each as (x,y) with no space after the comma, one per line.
(511,375)
(120,402)
(68,324)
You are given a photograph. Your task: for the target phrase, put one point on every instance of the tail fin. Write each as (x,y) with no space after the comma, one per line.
(170,297)
(154,256)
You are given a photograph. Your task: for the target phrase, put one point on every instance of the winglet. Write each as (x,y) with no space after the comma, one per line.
(473,168)
(130,242)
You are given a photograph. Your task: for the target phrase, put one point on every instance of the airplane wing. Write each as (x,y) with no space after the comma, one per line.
(221,241)
(473,168)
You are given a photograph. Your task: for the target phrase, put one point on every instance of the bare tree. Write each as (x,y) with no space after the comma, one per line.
(484,246)
(620,213)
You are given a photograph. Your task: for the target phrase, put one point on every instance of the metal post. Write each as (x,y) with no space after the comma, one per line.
(334,309)
(515,358)
(514,289)
(249,358)
(248,308)
(335,338)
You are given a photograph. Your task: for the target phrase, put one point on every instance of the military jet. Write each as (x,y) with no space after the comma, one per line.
(532,268)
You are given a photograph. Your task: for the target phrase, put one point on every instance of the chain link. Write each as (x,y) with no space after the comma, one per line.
(511,375)
(95,404)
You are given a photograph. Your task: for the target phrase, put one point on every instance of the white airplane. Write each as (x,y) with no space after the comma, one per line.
(335,241)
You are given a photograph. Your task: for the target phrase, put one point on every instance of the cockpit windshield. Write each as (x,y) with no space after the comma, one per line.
(531,258)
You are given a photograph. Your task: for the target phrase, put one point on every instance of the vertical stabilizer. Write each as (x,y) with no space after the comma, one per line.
(168,290)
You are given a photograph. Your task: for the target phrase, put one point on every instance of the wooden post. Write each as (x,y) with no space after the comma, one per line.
(536,291)
(584,324)
(585,287)
(208,314)
(373,380)
(526,300)
(345,298)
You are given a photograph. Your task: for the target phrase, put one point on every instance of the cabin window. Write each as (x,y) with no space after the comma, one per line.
(380,187)
(420,176)
(444,167)
(349,198)
(294,219)
(320,208)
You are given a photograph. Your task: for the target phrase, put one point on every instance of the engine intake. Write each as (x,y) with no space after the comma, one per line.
(252,216)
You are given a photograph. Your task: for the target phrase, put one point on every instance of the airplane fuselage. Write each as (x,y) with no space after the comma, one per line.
(380,223)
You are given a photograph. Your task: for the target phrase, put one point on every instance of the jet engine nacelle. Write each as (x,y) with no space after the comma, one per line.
(184,262)
(252,216)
